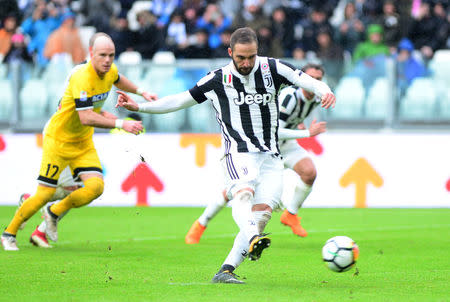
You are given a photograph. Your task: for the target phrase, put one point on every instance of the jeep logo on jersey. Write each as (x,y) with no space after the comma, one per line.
(253,98)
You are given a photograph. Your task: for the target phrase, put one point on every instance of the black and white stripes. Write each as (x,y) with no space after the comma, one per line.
(295,107)
(247,106)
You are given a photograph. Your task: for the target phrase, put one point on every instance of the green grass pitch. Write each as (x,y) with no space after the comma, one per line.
(139,254)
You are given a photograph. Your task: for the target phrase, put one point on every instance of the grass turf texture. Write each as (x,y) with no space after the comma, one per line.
(139,254)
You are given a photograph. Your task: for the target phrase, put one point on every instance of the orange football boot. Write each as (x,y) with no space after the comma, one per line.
(293,221)
(195,233)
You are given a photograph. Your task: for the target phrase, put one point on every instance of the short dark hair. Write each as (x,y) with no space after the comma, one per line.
(313,66)
(95,36)
(244,35)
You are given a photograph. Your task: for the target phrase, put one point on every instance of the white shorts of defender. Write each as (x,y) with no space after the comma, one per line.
(292,152)
(262,172)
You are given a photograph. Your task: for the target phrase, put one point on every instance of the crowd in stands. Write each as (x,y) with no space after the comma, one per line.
(303,29)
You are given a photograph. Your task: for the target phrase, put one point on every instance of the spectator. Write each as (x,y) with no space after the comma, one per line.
(18,50)
(408,67)
(252,16)
(176,31)
(190,20)
(440,10)
(283,31)
(149,38)
(198,47)
(99,12)
(390,20)
(298,53)
(424,30)
(332,57)
(7,8)
(18,54)
(9,28)
(121,34)
(66,39)
(214,22)
(38,27)
(373,46)
(163,9)
(317,21)
(268,46)
(351,30)
(370,59)
(222,50)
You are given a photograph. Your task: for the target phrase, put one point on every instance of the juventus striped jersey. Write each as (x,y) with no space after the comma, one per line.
(247,106)
(295,107)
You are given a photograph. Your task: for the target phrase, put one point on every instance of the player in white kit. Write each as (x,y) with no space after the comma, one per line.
(244,95)
(296,104)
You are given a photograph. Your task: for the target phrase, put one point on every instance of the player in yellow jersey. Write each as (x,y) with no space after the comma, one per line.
(68,138)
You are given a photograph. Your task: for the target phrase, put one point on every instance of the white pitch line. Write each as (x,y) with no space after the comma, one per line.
(232,235)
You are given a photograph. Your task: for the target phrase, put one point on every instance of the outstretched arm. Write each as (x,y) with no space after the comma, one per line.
(166,104)
(314,129)
(128,86)
(318,88)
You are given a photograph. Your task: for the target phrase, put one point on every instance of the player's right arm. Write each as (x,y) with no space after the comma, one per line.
(91,118)
(166,104)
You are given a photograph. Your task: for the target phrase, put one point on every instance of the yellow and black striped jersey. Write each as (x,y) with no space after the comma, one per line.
(84,89)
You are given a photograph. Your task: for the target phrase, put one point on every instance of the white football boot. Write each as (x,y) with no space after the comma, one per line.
(9,242)
(51,224)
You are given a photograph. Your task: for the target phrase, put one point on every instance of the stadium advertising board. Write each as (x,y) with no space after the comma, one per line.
(354,169)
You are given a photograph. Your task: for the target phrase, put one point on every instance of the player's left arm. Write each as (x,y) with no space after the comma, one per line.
(314,129)
(128,86)
(303,80)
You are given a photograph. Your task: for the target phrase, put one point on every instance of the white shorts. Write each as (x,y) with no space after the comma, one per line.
(261,172)
(292,152)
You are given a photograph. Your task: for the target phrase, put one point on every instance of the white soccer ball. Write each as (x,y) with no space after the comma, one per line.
(340,253)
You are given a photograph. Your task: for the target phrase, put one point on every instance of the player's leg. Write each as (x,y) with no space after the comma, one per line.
(48,177)
(86,166)
(198,227)
(241,174)
(297,159)
(236,256)
(267,197)
(66,185)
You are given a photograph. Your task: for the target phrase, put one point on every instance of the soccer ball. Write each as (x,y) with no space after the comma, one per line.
(340,253)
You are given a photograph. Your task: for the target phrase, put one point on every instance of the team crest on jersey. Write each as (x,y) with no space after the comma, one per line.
(83,96)
(268,80)
(227,78)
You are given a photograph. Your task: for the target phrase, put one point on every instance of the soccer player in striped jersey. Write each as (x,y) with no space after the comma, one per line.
(244,95)
(296,105)
(68,138)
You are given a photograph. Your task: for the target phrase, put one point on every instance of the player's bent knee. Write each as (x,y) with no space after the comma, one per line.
(95,185)
(262,218)
(244,195)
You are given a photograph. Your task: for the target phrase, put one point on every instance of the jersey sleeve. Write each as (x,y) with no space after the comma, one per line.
(205,84)
(116,75)
(80,88)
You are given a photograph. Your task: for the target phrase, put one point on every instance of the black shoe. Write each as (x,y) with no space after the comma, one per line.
(257,245)
(226,277)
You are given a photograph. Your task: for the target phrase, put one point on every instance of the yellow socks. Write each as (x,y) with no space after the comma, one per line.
(29,207)
(93,188)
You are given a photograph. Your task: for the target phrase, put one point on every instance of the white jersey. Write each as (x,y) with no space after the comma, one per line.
(247,106)
(295,107)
